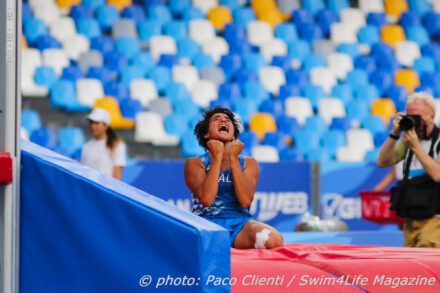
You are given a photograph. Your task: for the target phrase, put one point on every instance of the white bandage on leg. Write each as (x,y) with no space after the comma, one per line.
(261,238)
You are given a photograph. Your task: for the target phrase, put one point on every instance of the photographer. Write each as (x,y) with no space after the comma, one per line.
(417,197)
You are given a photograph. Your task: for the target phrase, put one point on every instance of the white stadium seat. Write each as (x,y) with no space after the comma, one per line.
(185,74)
(265,153)
(201,30)
(299,108)
(143,90)
(150,128)
(259,32)
(271,78)
(162,45)
(203,92)
(88,90)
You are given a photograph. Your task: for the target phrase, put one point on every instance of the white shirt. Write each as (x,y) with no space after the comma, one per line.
(96,155)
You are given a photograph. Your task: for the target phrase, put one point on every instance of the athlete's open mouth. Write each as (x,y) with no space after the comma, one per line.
(224,129)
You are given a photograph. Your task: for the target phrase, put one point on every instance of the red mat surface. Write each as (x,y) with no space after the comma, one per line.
(335,268)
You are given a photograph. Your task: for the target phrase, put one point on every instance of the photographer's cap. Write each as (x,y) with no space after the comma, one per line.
(99,115)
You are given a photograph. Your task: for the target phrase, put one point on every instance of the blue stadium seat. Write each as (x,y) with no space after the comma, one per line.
(93,4)
(310,32)
(245,108)
(134,12)
(419,6)
(130,108)
(337,5)
(176,91)
(255,92)
(368,35)
(190,146)
(301,17)
(88,27)
(289,90)
(409,18)
(143,59)
(103,44)
(275,139)
(332,140)
(382,80)
(33,29)
(380,138)
(388,64)
(191,13)
(325,18)
(272,106)
(381,51)
(366,93)
(316,154)
(188,48)
(430,79)
(45,76)
(101,73)
(287,125)
(285,62)
(349,49)
(376,19)
(161,76)
(418,34)
(229,91)
(297,77)
(130,73)
(26,11)
(230,63)
(315,124)
(431,50)
(63,96)
(249,138)
(116,89)
(30,120)
(47,42)
(371,155)
(314,93)
(374,124)
(232,4)
(71,139)
(176,125)
(299,49)
(44,137)
(105,16)
(115,61)
(286,32)
(81,11)
(242,76)
(203,60)
(72,73)
(176,29)
(243,15)
(342,92)
(358,109)
(186,108)
(127,46)
(221,103)
(313,5)
(312,61)
(291,154)
(341,123)
(432,23)
(424,64)
(168,60)
(147,29)
(366,63)
(234,32)
(356,78)
(253,61)
(305,140)
(178,6)
(158,13)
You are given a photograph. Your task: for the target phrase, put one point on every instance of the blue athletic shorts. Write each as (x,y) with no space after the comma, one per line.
(232,224)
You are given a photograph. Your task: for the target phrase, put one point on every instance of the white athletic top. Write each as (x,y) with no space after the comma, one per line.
(96,155)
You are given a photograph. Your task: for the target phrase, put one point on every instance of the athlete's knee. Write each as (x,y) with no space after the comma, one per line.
(275,240)
(267,238)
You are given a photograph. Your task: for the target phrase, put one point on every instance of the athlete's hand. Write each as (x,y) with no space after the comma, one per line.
(216,149)
(235,148)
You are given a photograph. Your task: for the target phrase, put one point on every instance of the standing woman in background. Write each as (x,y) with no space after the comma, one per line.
(105,152)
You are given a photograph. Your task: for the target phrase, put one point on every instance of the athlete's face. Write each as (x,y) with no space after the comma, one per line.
(220,128)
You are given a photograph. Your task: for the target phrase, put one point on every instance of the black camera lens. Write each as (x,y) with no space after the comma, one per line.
(409,121)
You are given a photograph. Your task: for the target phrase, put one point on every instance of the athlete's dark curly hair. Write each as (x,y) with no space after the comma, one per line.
(203,125)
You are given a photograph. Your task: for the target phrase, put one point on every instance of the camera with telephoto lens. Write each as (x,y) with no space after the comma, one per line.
(409,121)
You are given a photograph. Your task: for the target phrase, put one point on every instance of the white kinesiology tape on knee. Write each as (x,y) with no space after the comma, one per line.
(261,238)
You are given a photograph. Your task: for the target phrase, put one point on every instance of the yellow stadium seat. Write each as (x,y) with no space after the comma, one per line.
(220,16)
(384,108)
(263,5)
(392,34)
(23,42)
(395,7)
(119,4)
(407,78)
(67,4)
(272,16)
(261,123)
(117,120)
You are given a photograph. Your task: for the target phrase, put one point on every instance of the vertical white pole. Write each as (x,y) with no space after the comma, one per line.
(10,125)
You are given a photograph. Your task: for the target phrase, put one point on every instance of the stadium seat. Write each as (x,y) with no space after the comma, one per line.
(81,11)
(329,108)
(30,120)
(187,75)
(291,154)
(349,155)
(286,32)
(312,61)
(190,146)
(273,48)
(360,140)
(366,63)
(381,79)
(260,123)
(214,74)
(176,29)
(315,124)
(66,5)
(298,49)
(134,12)
(89,90)
(63,28)
(130,73)
(220,16)
(55,58)
(288,90)
(305,140)
(341,123)
(354,18)
(120,4)
(44,137)
(88,27)
(147,29)
(323,47)
(130,108)
(250,139)
(117,120)
(71,139)
(201,30)
(89,59)
(45,76)
(366,93)
(384,108)
(176,125)
(417,34)
(392,34)
(323,77)
(313,93)
(33,29)
(162,106)
(106,15)
(161,76)
(216,48)
(325,18)
(358,109)
(47,11)
(245,108)
(187,108)
(271,78)
(395,8)
(342,92)
(127,46)
(399,95)
(299,108)
(150,129)
(103,44)
(203,92)
(275,139)
(368,35)
(284,62)
(30,60)
(75,46)
(143,90)
(265,153)
(317,155)
(407,52)
(356,78)
(273,107)
(375,6)
(374,124)
(162,45)
(424,64)
(259,33)
(332,140)
(407,78)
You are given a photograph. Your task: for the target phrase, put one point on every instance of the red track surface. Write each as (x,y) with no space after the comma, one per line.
(336,268)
